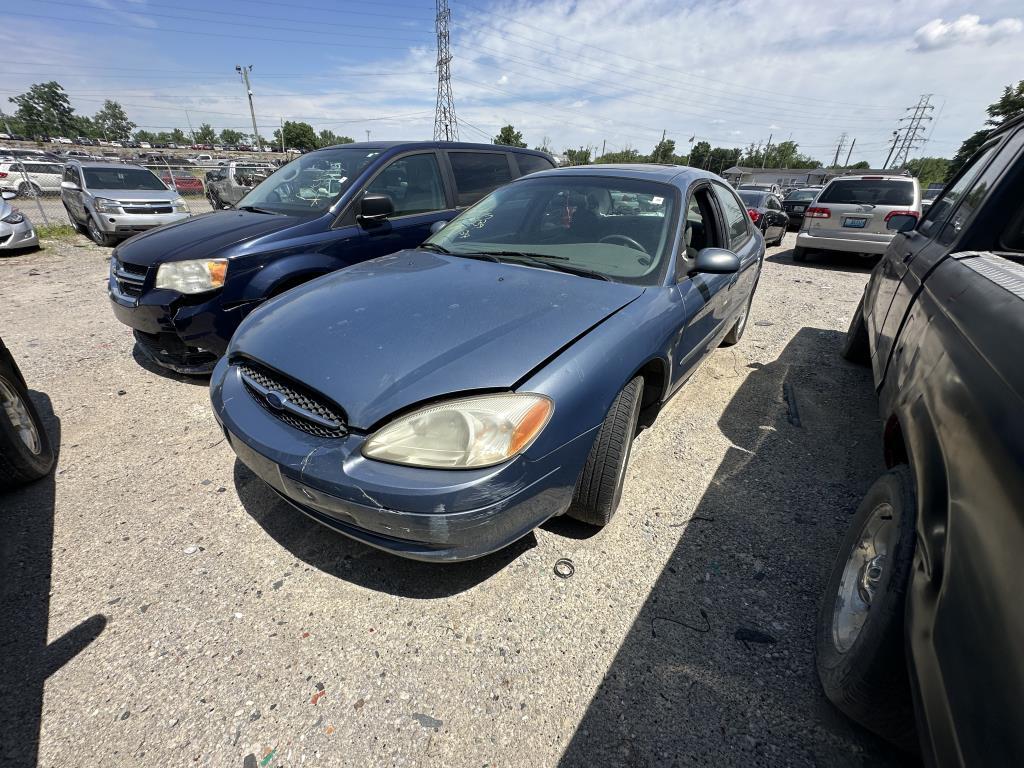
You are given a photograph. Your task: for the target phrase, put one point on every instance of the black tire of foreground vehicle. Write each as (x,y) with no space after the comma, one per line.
(736,332)
(868,680)
(599,488)
(18,463)
(856,348)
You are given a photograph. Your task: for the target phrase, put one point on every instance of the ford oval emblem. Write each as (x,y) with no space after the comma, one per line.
(275,400)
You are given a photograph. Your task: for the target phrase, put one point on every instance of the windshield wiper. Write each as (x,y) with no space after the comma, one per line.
(255,209)
(435,248)
(548,261)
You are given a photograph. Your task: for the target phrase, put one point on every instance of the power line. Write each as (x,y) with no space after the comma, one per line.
(446,126)
(916,126)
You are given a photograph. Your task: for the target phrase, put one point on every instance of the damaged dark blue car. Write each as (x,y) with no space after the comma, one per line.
(441,402)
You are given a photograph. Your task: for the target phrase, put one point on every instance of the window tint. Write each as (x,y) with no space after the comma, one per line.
(871,191)
(735,217)
(413,183)
(532,164)
(477,173)
(752,199)
(122,178)
(943,206)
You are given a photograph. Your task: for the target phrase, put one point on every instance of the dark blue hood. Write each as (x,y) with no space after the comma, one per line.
(200,237)
(416,325)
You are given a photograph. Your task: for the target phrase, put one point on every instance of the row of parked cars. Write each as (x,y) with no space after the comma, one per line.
(432,348)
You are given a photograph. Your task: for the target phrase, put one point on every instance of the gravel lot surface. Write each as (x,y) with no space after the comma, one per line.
(162,608)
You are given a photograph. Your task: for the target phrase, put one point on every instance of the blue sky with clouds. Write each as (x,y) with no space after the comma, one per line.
(590,72)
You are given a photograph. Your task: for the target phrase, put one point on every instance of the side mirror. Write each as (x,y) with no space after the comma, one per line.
(901,222)
(69,185)
(375,208)
(8,195)
(716,261)
(437,226)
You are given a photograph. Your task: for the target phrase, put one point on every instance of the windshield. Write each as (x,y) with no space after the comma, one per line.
(802,195)
(122,178)
(753,199)
(870,191)
(619,229)
(931,193)
(311,183)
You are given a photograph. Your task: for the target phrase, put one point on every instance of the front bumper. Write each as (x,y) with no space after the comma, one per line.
(423,514)
(868,243)
(128,224)
(21,235)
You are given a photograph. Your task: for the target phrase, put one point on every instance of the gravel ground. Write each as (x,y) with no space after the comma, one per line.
(164,609)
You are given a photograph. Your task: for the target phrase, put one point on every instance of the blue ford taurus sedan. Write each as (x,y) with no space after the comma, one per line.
(442,402)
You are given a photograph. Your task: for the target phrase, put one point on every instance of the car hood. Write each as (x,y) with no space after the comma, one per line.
(415,326)
(135,194)
(199,237)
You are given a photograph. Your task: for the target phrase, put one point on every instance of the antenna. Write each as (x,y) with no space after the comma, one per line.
(446,127)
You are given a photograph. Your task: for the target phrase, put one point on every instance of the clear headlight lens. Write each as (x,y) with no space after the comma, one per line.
(462,434)
(105,205)
(14,217)
(193,276)
(180,205)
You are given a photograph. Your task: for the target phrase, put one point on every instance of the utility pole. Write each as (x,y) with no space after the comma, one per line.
(367,134)
(915,127)
(768,146)
(282,134)
(190,129)
(244,72)
(839,148)
(848,154)
(446,127)
(895,138)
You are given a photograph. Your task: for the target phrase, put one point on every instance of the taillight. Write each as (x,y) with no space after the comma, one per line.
(818,213)
(3,175)
(890,214)
(754,215)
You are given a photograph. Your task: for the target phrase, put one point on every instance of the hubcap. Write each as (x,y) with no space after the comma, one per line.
(862,577)
(20,418)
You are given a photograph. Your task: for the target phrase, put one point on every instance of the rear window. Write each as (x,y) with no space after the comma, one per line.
(477,173)
(751,198)
(802,196)
(872,191)
(532,164)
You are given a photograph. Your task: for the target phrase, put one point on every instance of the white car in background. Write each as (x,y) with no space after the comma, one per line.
(30,178)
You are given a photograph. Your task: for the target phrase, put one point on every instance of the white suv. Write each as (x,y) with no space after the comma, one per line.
(851,214)
(31,177)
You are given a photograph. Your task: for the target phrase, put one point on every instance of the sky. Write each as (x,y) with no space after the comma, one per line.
(569,73)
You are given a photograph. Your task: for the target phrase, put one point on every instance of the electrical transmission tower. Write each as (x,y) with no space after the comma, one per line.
(839,149)
(913,135)
(446,127)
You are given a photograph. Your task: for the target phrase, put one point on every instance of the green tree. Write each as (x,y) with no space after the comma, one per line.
(663,151)
(510,137)
(206,134)
(860,165)
(232,137)
(929,170)
(699,154)
(296,135)
(44,109)
(579,156)
(178,136)
(627,155)
(146,136)
(722,158)
(330,138)
(112,122)
(1010,104)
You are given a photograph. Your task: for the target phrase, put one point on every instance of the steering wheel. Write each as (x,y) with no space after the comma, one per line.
(629,241)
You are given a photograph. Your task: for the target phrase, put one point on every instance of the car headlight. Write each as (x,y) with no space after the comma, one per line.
(14,217)
(180,205)
(104,205)
(463,434)
(193,276)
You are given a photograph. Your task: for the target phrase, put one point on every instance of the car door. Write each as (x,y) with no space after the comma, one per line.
(73,197)
(893,284)
(416,186)
(778,218)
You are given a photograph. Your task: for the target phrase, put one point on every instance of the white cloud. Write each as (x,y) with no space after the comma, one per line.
(967,30)
(503,80)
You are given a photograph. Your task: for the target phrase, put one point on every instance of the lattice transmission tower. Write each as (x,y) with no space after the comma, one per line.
(446,127)
(913,135)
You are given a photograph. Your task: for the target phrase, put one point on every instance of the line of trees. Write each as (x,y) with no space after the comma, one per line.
(1009,105)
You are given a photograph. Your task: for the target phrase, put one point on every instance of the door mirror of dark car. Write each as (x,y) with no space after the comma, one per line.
(8,195)
(437,226)
(375,208)
(901,222)
(716,261)
(69,185)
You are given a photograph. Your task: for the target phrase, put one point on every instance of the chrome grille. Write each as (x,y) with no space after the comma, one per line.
(290,403)
(128,277)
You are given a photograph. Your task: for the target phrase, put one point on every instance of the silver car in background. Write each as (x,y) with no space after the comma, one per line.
(16,231)
(112,201)
(852,214)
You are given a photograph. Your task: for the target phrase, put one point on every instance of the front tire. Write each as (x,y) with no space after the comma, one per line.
(599,487)
(860,631)
(25,450)
(99,236)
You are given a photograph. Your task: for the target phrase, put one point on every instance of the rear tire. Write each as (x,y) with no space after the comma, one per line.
(599,487)
(736,332)
(799,253)
(860,649)
(25,450)
(856,347)
(29,189)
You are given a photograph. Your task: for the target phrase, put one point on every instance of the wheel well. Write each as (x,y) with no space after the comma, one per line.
(654,390)
(894,446)
(288,283)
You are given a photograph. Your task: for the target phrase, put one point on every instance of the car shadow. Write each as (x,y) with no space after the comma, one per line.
(358,563)
(832,261)
(718,666)
(146,362)
(26,658)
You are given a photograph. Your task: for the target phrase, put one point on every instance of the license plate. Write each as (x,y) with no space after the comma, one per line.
(855,223)
(799,208)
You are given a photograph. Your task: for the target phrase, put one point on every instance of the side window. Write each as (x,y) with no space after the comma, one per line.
(773,203)
(413,183)
(70,175)
(943,206)
(531,164)
(736,217)
(699,230)
(477,173)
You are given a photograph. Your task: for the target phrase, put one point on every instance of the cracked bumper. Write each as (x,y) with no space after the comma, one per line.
(424,514)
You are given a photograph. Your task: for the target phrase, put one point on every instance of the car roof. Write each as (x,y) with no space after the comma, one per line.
(101,164)
(383,145)
(677,175)
(875,177)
